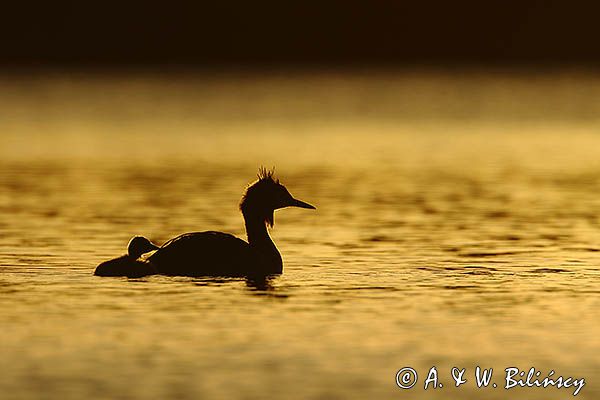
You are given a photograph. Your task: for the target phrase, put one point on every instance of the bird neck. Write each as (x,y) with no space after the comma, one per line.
(260,240)
(257,232)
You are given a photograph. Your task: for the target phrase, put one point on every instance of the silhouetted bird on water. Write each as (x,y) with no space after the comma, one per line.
(221,254)
(128,265)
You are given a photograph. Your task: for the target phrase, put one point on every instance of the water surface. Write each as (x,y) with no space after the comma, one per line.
(447,241)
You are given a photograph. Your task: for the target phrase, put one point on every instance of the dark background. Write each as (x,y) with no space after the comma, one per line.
(201,34)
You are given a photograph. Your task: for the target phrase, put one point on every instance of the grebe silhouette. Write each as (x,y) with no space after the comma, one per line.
(128,265)
(221,254)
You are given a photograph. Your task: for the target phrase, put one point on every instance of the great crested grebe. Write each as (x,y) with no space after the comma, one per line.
(129,265)
(221,254)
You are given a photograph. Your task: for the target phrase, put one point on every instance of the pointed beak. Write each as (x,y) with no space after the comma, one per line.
(301,204)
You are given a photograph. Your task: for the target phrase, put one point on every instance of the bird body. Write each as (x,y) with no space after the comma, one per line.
(125,266)
(205,254)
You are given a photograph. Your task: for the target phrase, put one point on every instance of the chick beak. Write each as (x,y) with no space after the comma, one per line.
(153,247)
(301,204)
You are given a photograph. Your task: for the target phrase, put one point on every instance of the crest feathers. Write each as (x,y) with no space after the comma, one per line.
(265,174)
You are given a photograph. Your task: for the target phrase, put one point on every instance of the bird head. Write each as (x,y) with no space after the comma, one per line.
(266,195)
(139,245)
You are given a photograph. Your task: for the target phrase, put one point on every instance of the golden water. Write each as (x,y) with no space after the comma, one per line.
(457,224)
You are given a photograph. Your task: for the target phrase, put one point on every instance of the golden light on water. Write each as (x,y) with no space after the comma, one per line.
(457,225)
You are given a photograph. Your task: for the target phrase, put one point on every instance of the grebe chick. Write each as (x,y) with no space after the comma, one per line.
(221,254)
(128,264)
